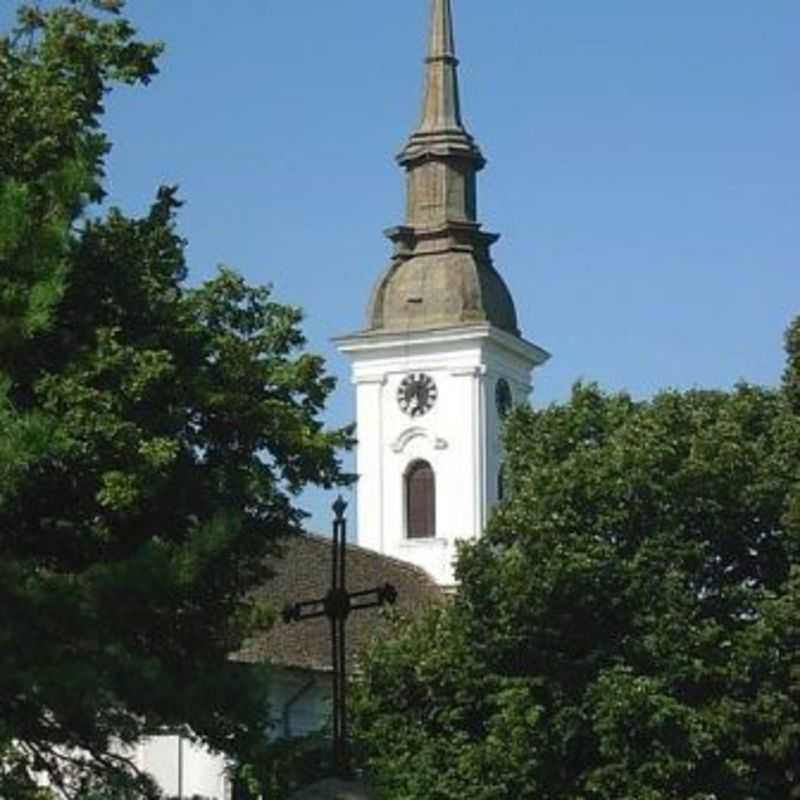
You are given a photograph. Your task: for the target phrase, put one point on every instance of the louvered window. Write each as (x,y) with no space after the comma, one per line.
(420,501)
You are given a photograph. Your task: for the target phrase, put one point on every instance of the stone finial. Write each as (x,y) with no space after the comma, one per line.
(441,129)
(442,45)
(442,105)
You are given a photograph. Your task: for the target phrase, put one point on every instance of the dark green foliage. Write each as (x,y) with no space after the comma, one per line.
(152,439)
(284,765)
(54,71)
(791,387)
(791,377)
(629,627)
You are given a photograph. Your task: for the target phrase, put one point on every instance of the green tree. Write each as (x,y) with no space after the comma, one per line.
(629,626)
(791,387)
(791,377)
(153,437)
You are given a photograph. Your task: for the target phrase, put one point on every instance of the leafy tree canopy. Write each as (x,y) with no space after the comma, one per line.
(791,377)
(152,437)
(791,388)
(629,627)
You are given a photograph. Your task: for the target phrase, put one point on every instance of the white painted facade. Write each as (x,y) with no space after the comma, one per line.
(183,769)
(460,436)
(300,703)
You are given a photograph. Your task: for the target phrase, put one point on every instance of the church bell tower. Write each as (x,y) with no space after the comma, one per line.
(441,360)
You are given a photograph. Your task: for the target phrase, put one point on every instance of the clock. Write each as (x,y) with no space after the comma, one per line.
(502,398)
(416,394)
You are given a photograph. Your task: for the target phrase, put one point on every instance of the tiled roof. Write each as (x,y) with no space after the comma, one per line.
(304,573)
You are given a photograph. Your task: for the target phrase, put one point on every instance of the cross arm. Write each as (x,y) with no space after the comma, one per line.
(381,595)
(295,612)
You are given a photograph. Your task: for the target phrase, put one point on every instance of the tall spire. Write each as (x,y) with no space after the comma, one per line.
(442,273)
(442,39)
(441,129)
(442,107)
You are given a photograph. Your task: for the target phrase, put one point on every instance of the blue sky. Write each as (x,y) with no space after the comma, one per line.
(643,168)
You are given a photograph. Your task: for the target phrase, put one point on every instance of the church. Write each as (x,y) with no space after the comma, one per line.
(438,366)
(442,359)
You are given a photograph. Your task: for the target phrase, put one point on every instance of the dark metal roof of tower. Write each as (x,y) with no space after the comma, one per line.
(441,274)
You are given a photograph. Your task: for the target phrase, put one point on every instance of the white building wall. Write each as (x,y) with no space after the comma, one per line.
(300,703)
(460,436)
(184,769)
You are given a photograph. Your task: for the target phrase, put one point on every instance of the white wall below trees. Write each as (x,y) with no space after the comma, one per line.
(184,769)
(300,706)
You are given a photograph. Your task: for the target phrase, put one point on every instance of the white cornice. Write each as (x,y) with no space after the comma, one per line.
(376,343)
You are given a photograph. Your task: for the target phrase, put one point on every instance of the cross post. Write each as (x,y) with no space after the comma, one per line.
(336,606)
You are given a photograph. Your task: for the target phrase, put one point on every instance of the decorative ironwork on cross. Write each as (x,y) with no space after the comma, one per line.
(336,606)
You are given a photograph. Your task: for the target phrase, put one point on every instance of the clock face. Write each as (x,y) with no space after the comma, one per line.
(503,398)
(417,394)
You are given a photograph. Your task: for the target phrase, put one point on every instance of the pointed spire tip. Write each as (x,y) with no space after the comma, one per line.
(442,43)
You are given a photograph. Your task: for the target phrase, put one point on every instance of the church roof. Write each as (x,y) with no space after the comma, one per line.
(441,274)
(304,573)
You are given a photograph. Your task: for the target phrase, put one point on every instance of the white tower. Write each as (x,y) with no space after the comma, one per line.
(441,360)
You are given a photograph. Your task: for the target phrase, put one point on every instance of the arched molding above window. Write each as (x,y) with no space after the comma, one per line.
(410,434)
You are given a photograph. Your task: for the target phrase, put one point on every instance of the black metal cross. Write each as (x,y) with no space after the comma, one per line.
(336,606)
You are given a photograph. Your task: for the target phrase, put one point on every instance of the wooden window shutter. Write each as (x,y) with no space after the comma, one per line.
(420,501)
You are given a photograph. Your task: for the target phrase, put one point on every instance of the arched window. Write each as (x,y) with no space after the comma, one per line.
(420,501)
